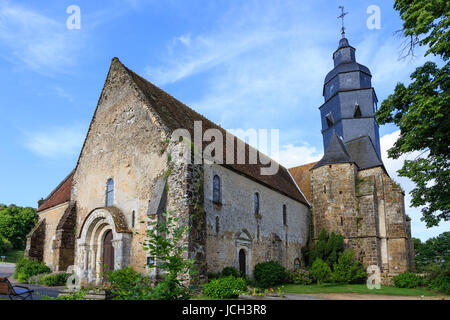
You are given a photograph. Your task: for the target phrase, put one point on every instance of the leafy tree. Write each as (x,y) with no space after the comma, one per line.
(327,248)
(16,223)
(348,269)
(433,251)
(320,271)
(165,243)
(421,109)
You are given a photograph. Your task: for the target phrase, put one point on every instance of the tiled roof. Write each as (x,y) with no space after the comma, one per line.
(174,114)
(302,176)
(59,195)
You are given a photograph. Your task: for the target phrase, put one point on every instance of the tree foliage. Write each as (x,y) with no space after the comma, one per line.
(320,271)
(15,224)
(166,243)
(348,269)
(421,110)
(433,251)
(327,248)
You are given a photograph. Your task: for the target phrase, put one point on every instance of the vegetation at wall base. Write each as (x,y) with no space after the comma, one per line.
(269,274)
(225,287)
(320,271)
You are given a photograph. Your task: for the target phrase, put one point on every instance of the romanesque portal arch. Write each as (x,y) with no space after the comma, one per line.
(99,224)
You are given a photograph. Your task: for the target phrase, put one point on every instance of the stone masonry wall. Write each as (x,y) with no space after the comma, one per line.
(345,203)
(232,224)
(127,143)
(52,217)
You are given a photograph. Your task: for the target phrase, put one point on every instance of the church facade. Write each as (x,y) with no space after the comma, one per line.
(136,163)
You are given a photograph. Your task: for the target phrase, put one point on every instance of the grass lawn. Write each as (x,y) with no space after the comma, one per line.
(356,288)
(13,256)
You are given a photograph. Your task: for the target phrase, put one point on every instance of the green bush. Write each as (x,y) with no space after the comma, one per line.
(299,276)
(438,277)
(230,271)
(269,274)
(225,288)
(348,269)
(408,280)
(128,284)
(55,279)
(25,268)
(441,283)
(327,248)
(5,246)
(320,271)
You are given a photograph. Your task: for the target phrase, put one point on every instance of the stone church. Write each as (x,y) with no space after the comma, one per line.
(133,167)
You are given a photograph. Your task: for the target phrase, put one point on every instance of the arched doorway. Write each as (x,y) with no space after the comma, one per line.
(108,252)
(242,262)
(104,239)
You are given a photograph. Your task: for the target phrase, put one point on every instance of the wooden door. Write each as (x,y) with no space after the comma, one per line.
(108,252)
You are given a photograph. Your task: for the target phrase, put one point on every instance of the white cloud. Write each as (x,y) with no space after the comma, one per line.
(292,156)
(419,229)
(33,40)
(56,142)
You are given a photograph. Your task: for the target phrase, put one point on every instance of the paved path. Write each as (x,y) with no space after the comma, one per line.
(7,270)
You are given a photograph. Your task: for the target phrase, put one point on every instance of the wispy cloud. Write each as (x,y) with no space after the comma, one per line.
(55,142)
(31,39)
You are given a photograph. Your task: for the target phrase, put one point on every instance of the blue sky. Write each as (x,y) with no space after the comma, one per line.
(242,64)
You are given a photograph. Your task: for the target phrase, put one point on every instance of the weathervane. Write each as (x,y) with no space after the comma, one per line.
(343,14)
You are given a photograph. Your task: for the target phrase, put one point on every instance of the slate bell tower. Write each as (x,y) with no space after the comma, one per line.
(350,100)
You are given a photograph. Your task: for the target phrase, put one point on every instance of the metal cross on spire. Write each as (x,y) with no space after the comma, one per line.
(343,14)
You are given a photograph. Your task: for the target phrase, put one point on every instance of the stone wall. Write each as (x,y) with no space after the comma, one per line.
(35,241)
(367,208)
(125,142)
(52,217)
(232,225)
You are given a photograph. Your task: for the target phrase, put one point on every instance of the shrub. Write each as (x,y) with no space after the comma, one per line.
(269,274)
(5,246)
(438,277)
(54,279)
(128,284)
(320,271)
(441,283)
(26,268)
(299,276)
(347,269)
(408,280)
(225,288)
(230,271)
(327,248)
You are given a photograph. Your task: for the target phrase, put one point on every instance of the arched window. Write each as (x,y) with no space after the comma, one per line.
(216,189)
(256,200)
(109,193)
(284,215)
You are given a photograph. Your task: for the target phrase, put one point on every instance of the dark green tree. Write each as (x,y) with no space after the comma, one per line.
(327,248)
(433,251)
(421,109)
(16,223)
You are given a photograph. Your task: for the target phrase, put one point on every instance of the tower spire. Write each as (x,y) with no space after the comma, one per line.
(343,14)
